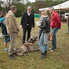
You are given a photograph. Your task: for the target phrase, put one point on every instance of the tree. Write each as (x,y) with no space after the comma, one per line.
(1,2)
(20,9)
(8,3)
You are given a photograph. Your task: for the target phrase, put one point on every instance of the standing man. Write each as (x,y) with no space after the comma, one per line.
(55,25)
(12,29)
(27,22)
(67,15)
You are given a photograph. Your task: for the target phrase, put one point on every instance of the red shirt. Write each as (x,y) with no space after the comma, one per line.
(55,20)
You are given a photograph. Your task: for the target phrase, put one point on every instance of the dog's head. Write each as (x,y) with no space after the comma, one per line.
(32,39)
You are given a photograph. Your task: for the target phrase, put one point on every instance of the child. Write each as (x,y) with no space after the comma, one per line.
(1,35)
(4,30)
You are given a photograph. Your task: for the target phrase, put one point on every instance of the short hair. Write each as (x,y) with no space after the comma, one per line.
(3,13)
(52,8)
(29,7)
(13,7)
(44,12)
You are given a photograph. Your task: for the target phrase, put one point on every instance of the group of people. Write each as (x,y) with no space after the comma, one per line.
(45,29)
(10,28)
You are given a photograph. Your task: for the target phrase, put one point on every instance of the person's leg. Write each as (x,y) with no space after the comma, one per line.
(41,43)
(41,46)
(39,33)
(5,42)
(46,47)
(5,45)
(24,36)
(28,35)
(54,31)
(12,43)
(46,36)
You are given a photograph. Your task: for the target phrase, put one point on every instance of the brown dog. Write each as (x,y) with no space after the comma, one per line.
(27,47)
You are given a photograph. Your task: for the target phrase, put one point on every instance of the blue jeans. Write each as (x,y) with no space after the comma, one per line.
(39,33)
(54,31)
(41,44)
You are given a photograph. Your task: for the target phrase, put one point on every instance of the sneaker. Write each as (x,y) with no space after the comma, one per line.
(52,49)
(14,49)
(1,35)
(6,50)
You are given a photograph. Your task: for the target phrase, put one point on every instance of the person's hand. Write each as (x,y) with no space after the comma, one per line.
(33,28)
(38,25)
(60,27)
(40,21)
(20,26)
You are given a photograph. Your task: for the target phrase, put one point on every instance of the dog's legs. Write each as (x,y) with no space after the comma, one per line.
(36,49)
(26,54)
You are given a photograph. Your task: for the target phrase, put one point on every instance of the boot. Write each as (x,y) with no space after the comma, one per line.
(11,57)
(15,53)
(43,55)
(46,53)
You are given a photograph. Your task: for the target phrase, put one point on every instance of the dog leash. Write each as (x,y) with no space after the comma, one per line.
(19,37)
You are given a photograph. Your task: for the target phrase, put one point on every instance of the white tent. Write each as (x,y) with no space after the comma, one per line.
(63,7)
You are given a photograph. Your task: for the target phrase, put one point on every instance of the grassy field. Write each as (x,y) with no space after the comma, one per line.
(58,59)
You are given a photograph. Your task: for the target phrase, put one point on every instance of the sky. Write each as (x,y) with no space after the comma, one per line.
(29,0)
(32,0)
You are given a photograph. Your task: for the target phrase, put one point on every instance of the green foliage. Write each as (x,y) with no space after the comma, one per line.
(20,9)
(23,7)
(53,3)
(1,2)
(1,8)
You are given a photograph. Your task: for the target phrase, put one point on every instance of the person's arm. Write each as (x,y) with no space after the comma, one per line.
(41,18)
(44,25)
(57,17)
(33,23)
(22,21)
(4,22)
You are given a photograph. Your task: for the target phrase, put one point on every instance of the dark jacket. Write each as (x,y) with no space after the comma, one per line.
(27,20)
(45,26)
(3,26)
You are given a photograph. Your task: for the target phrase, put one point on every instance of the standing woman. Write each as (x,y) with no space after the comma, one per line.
(45,29)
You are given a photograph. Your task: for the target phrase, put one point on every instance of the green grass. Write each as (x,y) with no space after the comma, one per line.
(58,59)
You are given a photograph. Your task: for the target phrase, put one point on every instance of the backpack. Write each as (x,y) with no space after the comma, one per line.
(3,27)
